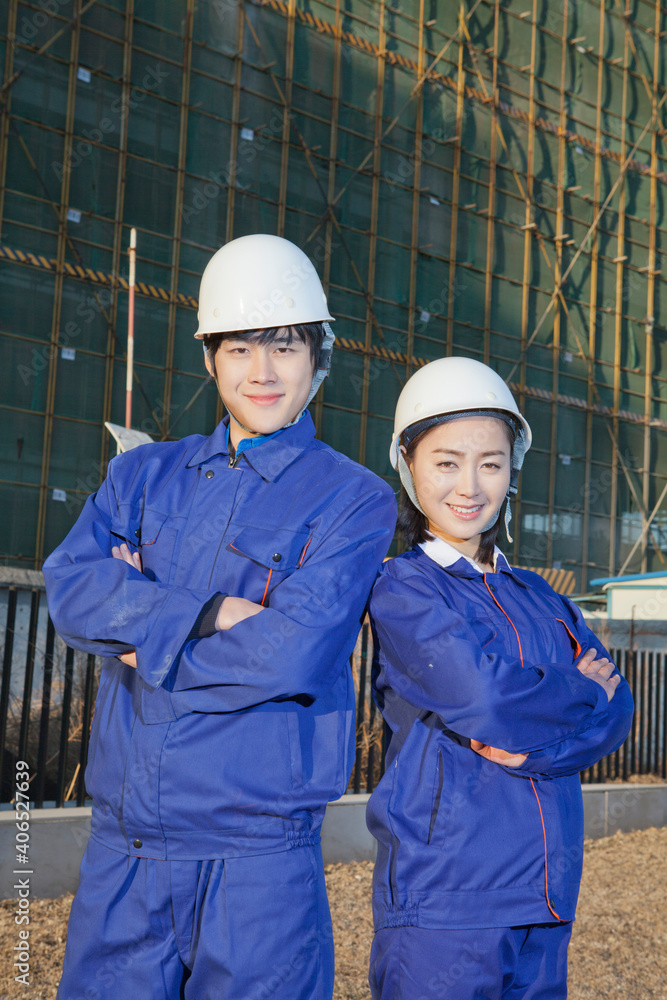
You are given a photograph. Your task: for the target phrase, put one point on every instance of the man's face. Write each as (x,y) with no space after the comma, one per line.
(264,386)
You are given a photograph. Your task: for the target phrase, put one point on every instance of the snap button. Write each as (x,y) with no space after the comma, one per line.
(492,587)
(209,473)
(276,557)
(137,843)
(137,532)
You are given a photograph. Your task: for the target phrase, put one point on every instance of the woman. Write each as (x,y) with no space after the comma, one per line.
(496,695)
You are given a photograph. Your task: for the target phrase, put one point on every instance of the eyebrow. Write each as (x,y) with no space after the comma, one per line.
(462,454)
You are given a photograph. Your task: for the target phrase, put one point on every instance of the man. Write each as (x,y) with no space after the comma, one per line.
(223,579)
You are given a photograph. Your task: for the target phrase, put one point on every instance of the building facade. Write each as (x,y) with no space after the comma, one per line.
(485,178)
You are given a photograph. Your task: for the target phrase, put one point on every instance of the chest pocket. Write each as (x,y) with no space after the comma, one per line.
(270,554)
(149,532)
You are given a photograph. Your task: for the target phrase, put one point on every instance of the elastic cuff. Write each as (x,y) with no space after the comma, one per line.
(206,619)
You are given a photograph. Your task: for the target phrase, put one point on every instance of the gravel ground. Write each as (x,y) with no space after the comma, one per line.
(618,951)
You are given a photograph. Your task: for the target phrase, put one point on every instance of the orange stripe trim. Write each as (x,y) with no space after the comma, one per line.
(544,834)
(577,644)
(305,549)
(508,619)
(266,589)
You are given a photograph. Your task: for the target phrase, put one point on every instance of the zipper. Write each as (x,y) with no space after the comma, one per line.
(233,462)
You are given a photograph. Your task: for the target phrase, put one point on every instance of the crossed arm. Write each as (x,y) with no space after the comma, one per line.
(598,669)
(231,611)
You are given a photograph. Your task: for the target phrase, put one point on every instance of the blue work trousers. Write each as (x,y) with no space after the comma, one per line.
(491,963)
(246,928)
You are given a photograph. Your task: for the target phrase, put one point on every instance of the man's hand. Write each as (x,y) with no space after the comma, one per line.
(234,610)
(133,559)
(498,756)
(599,671)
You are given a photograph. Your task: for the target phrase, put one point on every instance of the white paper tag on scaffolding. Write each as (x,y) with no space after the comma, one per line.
(59,495)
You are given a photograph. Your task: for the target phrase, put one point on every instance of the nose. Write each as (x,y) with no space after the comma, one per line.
(261,369)
(468,481)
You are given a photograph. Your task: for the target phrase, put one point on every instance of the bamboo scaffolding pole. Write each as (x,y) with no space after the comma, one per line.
(287,114)
(183,118)
(57,297)
(372,237)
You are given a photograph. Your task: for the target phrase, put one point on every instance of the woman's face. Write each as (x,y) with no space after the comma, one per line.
(461,471)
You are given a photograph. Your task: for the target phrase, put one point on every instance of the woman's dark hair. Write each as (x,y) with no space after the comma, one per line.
(311,334)
(413,525)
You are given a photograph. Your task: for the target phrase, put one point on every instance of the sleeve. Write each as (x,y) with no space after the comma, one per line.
(104,606)
(431,657)
(604,731)
(293,647)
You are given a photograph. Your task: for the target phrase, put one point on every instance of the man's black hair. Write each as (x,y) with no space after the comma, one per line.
(311,334)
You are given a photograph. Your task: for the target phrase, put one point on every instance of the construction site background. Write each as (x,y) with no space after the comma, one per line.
(484,179)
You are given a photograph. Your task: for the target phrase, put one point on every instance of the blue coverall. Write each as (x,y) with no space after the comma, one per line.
(211,763)
(488,853)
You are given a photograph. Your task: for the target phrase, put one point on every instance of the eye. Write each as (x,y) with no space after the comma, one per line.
(447,465)
(283,350)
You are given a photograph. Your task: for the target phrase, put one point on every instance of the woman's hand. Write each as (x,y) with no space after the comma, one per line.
(498,756)
(599,671)
(133,559)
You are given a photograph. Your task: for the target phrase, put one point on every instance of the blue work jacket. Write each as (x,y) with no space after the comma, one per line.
(461,655)
(232,743)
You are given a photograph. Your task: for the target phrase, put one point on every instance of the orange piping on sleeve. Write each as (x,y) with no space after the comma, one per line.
(544,834)
(577,645)
(266,589)
(506,616)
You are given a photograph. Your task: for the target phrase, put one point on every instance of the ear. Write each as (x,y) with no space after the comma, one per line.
(407,458)
(210,366)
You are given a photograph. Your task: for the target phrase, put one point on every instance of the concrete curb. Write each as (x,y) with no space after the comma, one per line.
(58,837)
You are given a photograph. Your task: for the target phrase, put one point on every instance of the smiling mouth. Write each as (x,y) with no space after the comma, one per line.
(469,511)
(265,400)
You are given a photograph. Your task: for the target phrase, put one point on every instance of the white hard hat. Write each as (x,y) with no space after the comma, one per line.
(451,386)
(257,282)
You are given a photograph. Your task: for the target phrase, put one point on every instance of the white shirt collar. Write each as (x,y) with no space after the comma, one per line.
(445,554)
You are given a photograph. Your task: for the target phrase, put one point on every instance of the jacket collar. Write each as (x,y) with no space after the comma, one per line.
(270,458)
(449,558)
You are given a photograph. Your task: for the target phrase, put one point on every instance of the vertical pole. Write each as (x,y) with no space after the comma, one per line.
(284,153)
(593,307)
(6,100)
(126,86)
(558,270)
(491,205)
(650,291)
(166,405)
(456,180)
(64,727)
(10,625)
(58,289)
(527,242)
(132,250)
(331,186)
(416,197)
(372,231)
(618,324)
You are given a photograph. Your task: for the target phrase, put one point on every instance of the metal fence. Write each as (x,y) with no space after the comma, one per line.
(47,695)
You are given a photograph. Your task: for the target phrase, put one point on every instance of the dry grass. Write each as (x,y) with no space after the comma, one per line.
(618,951)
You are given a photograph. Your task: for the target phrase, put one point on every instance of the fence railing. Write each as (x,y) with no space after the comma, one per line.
(47,695)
